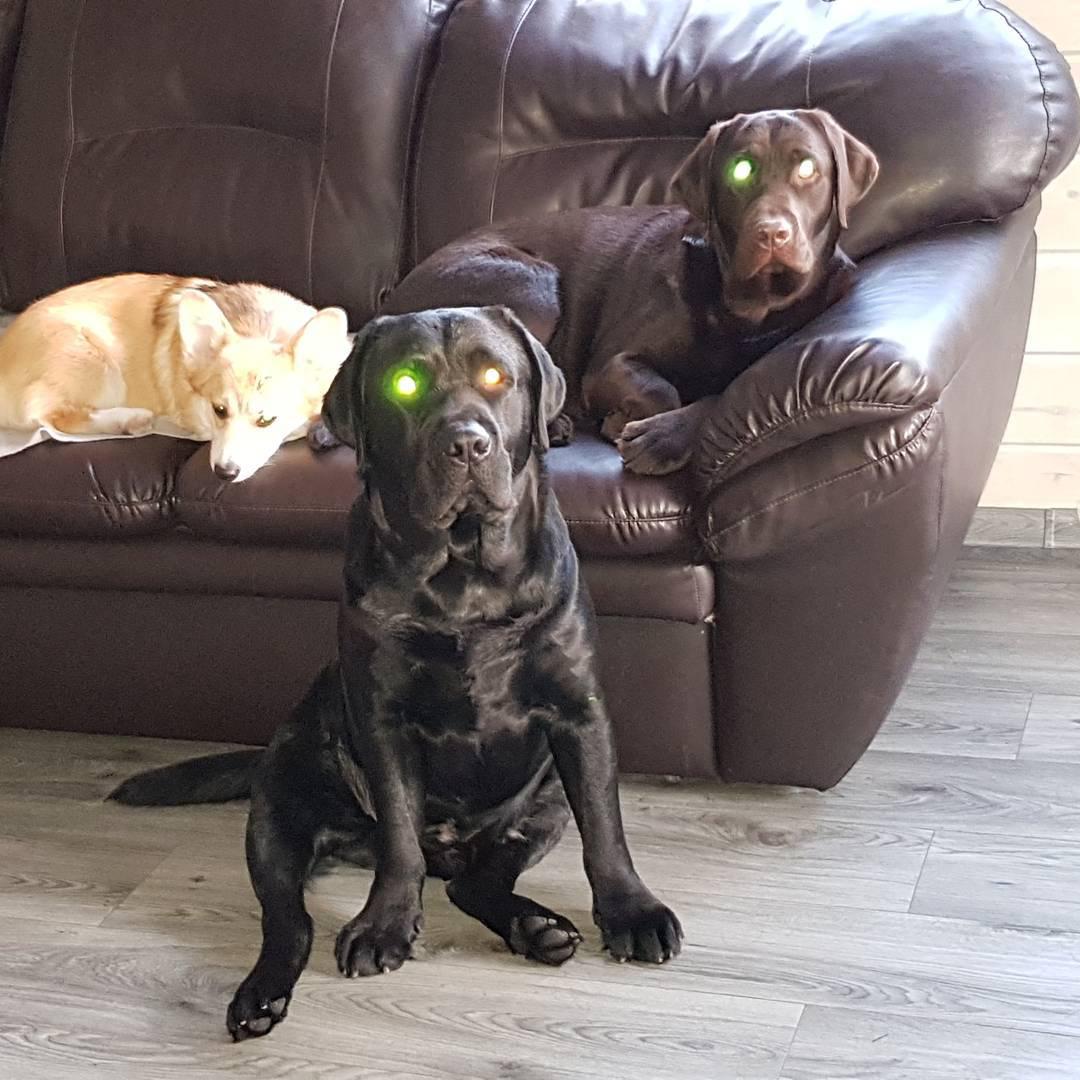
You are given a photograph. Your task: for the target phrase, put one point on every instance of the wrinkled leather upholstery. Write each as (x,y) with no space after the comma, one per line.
(241,140)
(298,499)
(97,489)
(757,613)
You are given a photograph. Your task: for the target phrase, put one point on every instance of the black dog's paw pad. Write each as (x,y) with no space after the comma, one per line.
(252,1014)
(550,939)
(561,431)
(362,949)
(651,934)
(655,446)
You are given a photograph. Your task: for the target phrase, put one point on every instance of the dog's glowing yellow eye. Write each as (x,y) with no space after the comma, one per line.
(405,384)
(221,412)
(807,169)
(492,376)
(742,169)
(265,421)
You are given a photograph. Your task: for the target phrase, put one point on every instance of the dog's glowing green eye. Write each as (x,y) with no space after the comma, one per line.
(742,169)
(807,169)
(405,384)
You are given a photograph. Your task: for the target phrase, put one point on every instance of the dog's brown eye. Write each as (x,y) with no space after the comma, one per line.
(221,412)
(492,377)
(807,169)
(265,421)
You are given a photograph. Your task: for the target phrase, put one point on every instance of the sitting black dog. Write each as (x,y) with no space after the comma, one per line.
(464,719)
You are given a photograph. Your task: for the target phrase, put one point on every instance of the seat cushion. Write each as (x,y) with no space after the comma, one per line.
(299,498)
(92,489)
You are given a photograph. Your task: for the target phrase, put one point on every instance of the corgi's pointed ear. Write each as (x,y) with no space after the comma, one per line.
(202,326)
(322,343)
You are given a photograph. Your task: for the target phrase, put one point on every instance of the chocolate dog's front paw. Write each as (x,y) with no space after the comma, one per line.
(256,1009)
(656,445)
(372,946)
(639,928)
(561,431)
(320,438)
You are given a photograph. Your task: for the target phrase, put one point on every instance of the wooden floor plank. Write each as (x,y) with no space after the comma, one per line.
(840,1044)
(1052,732)
(955,720)
(1002,881)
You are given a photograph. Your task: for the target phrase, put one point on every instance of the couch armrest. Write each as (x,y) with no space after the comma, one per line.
(845,470)
(842,411)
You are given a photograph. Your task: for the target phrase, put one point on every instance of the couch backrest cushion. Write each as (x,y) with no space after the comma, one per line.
(239,139)
(539,105)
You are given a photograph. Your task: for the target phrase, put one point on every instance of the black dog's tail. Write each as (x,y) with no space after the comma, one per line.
(210,779)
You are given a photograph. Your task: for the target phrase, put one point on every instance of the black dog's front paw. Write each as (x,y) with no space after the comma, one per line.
(551,939)
(372,946)
(255,1009)
(639,928)
(656,445)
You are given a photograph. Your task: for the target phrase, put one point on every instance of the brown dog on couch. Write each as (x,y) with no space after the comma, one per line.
(652,310)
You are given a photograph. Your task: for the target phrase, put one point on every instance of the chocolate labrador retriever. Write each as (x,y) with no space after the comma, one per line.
(463,720)
(653,310)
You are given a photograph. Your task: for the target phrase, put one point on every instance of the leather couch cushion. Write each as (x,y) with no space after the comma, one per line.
(300,499)
(91,489)
(245,140)
(545,106)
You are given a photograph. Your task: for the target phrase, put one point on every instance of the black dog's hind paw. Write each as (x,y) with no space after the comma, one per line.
(640,928)
(253,1013)
(551,939)
(365,948)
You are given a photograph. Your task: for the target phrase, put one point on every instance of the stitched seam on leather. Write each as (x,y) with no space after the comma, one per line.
(182,502)
(71,136)
(810,57)
(131,504)
(154,128)
(822,410)
(831,480)
(403,197)
(612,141)
(502,105)
(1042,83)
(322,152)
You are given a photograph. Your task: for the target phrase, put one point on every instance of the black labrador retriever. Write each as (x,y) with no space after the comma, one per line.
(463,720)
(653,310)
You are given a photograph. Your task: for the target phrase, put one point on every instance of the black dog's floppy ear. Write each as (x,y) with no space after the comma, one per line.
(343,402)
(692,183)
(548,382)
(856,164)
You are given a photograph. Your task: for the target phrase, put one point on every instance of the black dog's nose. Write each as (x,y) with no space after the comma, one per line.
(466,442)
(773,233)
(227,470)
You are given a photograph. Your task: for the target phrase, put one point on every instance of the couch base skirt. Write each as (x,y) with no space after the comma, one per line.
(230,668)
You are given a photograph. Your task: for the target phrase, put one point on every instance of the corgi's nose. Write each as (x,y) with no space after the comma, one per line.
(227,470)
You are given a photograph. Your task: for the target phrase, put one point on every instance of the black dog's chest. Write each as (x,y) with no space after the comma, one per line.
(460,686)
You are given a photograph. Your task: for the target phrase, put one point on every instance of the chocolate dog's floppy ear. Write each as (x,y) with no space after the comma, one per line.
(692,183)
(344,400)
(856,164)
(548,382)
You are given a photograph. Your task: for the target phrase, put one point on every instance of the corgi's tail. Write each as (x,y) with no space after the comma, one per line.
(211,779)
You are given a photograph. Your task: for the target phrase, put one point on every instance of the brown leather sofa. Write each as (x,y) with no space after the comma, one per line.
(759,611)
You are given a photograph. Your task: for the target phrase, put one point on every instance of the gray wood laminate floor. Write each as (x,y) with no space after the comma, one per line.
(922,920)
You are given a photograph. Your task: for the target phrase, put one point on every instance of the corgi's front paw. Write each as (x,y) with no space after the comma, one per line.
(138,422)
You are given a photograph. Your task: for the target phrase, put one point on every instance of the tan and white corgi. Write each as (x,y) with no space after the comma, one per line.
(240,366)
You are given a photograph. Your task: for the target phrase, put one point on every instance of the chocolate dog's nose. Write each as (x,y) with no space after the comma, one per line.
(773,233)
(227,470)
(466,442)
